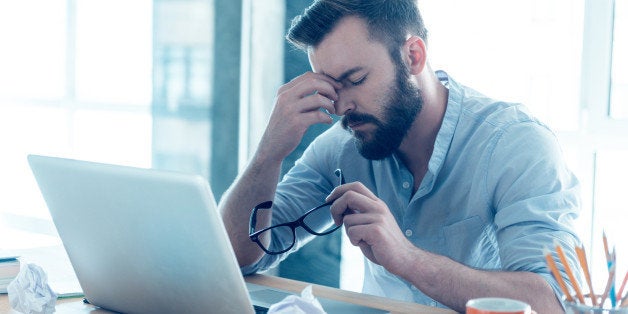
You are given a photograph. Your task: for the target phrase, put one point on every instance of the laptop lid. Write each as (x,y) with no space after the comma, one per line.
(142,240)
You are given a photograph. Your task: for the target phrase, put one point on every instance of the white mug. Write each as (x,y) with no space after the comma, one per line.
(497,306)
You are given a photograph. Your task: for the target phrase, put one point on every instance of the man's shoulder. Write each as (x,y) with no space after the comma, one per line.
(481,110)
(477,108)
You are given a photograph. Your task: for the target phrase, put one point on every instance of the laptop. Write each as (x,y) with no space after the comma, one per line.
(149,241)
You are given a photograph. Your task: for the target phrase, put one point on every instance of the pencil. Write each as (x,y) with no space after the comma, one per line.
(582,257)
(609,264)
(605,241)
(607,290)
(572,278)
(552,266)
(624,301)
(612,292)
(621,288)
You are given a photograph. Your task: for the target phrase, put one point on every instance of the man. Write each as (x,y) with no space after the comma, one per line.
(450,195)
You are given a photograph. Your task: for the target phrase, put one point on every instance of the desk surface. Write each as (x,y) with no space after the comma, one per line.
(76,305)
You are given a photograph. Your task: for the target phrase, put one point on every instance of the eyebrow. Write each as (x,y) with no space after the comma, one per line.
(345,74)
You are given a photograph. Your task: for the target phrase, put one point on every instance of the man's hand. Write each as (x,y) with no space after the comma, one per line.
(297,106)
(371,226)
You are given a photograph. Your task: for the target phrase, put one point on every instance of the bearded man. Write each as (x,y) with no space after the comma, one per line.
(449,194)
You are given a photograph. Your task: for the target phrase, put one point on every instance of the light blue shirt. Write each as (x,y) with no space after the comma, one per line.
(496,192)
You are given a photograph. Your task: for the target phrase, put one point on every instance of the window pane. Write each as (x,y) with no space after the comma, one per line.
(113,51)
(38,111)
(609,211)
(112,137)
(522,51)
(32,57)
(619,76)
(27,129)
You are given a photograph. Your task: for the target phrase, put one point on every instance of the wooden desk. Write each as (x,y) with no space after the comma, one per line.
(76,305)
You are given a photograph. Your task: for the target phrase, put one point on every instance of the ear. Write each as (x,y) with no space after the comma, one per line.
(415,54)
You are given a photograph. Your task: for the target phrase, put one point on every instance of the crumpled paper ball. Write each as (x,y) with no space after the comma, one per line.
(29,292)
(294,304)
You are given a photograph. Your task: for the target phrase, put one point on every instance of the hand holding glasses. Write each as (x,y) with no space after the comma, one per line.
(317,221)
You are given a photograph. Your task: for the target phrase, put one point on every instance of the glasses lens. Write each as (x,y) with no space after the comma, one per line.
(283,234)
(320,220)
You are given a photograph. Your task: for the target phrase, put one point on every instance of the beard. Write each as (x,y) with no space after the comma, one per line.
(403,102)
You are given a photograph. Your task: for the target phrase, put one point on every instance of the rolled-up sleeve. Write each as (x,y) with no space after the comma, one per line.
(536,200)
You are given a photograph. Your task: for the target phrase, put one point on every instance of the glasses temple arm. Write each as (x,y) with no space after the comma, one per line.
(253,221)
(253,218)
(339,174)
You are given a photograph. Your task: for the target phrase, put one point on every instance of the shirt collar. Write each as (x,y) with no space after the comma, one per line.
(447,129)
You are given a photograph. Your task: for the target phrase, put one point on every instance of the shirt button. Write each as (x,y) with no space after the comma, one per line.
(433,303)
(406,185)
(408,233)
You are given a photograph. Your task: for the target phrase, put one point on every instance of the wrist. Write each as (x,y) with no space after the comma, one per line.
(418,265)
(266,156)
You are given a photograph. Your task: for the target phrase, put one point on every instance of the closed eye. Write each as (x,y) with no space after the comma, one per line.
(359,81)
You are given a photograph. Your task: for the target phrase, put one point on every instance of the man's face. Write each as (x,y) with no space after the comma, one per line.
(401,105)
(378,101)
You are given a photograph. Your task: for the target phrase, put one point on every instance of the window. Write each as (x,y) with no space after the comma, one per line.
(123,82)
(601,142)
(73,83)
(619,72)
(521,51)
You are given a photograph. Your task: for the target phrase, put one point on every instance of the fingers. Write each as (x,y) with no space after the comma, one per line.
(357,187)
(358,235)
(316,116)
(311,91)
(310,76)
(353,198)
(297,106)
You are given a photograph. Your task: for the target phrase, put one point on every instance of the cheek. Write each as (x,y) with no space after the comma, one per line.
(370,97)
(378,88)
(384,96)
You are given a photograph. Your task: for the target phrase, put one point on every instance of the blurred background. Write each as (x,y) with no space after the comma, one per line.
(188,85)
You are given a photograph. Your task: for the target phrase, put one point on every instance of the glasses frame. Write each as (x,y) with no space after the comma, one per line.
(254,235)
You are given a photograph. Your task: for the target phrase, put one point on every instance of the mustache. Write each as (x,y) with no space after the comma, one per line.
(354,117)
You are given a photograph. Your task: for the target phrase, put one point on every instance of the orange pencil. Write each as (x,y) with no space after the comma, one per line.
(582,258)
(572,278)
(621,288)
(552,266)
(606,251)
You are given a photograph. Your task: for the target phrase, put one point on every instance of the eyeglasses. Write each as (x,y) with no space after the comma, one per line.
(317,221)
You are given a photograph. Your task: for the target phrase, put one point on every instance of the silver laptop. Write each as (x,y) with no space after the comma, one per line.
(149,241)
(142,241)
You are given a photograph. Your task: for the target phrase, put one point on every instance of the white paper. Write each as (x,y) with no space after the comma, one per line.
(29,292)
(294,304)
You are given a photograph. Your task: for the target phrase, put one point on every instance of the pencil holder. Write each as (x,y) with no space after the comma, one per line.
(587,308)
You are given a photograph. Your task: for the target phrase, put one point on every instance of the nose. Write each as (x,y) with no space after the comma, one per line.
(344,104)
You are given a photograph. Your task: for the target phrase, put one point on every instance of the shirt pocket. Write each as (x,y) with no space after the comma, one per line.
(468,242)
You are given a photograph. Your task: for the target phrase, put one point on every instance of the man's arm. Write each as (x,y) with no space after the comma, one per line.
(452,283)
(370,226)
(256,184)
(296,108)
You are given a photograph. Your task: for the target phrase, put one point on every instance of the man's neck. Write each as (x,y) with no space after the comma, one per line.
(416,149)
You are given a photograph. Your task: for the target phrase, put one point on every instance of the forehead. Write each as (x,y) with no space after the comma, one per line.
(348,47)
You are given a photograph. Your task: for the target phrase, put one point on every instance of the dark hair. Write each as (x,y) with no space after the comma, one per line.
(389,21)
